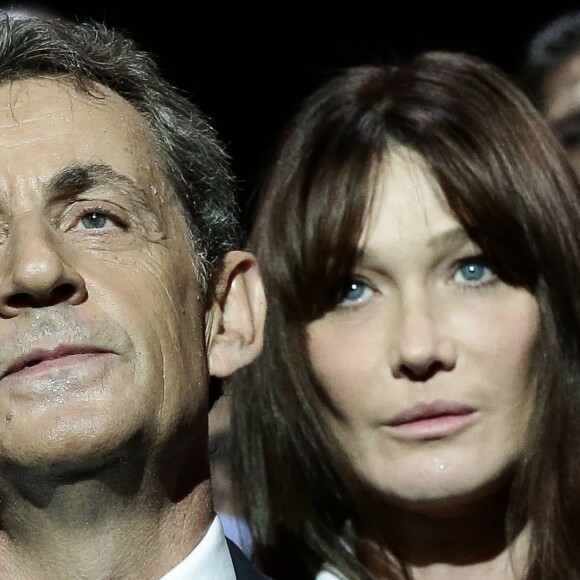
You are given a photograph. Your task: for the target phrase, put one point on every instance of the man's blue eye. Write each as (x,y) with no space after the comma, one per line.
(94,220)
(474,272)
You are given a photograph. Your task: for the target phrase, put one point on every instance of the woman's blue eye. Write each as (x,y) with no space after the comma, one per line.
(473,272)
(94,220)
(354,292)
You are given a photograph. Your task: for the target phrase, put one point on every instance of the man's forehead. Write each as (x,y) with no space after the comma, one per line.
(19,96)
(46,125)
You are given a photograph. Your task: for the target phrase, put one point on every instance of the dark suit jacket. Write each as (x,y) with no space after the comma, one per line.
(244,569)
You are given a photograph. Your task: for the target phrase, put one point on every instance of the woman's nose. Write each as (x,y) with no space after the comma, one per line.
(422,346)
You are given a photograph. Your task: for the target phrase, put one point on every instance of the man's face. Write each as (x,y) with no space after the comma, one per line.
(101,319)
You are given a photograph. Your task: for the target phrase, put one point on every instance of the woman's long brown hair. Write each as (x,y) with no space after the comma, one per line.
(505,179)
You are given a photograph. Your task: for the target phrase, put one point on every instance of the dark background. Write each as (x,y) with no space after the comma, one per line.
(248,68)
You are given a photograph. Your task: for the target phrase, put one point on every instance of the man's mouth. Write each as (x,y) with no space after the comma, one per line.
(44,357)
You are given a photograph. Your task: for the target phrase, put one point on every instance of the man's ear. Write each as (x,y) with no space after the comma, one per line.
(235,319)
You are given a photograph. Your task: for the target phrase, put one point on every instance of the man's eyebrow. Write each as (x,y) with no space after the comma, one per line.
(77,178)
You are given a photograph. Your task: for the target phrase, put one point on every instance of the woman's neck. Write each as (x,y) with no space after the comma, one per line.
(437,543)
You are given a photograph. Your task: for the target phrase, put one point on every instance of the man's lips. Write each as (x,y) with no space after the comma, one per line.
(39,356)
(431,420)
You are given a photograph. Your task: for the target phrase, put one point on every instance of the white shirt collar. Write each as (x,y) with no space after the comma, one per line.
(209,559)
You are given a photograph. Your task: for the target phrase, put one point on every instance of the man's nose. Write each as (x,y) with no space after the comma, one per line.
(422,346)
(34,272)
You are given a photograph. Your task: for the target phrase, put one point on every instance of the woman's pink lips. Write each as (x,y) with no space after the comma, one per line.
(433,420)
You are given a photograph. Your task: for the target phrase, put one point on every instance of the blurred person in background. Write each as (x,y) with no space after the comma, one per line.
(551,75)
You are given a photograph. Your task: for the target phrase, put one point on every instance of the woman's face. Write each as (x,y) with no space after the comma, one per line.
(425,362)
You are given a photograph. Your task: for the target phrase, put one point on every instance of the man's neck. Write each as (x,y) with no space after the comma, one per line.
(120,520)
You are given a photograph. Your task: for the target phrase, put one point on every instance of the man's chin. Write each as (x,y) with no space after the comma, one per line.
(70,443)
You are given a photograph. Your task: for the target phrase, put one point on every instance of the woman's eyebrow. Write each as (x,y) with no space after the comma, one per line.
(450,239)
(441,242)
